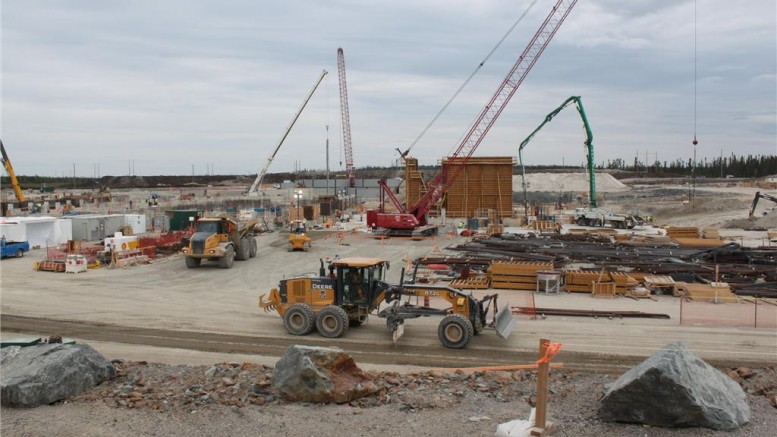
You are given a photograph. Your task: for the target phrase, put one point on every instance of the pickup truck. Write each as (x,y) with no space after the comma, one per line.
(11,248)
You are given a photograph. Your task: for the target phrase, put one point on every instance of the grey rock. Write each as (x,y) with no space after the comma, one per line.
(211,372)
(8,353)
(675,388)
(48,373)
(319,374)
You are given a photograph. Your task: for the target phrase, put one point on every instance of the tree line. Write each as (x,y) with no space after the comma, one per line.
(750,166)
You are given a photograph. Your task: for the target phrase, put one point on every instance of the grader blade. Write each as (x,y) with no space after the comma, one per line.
(397,332)
(504,322)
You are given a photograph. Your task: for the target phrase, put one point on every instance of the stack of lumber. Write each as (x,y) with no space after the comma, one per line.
(603,289)
(516,275)
(713,292)
(710,233)
(623,282)
(471,283)
(675,232)
(579,281)
(600,231)
(698,242)
(772,234)
(654,282)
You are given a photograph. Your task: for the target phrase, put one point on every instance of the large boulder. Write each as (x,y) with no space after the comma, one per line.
(676,388)
(47,373)
(320,374)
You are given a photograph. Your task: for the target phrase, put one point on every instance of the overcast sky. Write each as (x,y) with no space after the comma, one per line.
(213,84)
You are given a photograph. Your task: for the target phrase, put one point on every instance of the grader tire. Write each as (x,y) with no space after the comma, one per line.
(455,331)
(299,319)
(332,321)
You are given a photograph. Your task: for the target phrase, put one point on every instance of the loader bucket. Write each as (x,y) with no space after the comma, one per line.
(504,322)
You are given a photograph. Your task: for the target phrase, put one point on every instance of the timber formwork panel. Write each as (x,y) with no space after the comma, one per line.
(484,183)
(516,275)
(414,182)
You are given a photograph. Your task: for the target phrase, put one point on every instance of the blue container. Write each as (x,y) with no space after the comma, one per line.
(473,223)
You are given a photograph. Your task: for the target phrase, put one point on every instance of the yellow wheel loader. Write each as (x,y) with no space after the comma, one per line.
(356,288)
(219,239)
(298,236)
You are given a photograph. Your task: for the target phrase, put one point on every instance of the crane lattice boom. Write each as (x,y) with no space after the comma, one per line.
(483,123)
(346,119)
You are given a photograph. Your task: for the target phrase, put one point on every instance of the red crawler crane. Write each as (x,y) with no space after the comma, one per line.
(413,219)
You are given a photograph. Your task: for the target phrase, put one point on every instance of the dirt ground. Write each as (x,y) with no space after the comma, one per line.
(189,320)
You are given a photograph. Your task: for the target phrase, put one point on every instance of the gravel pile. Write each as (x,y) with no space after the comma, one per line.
(154,399)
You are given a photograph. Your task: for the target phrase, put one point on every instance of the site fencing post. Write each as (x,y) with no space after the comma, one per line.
(755,311)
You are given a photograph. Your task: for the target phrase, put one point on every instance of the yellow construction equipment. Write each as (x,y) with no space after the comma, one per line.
(9,168)
(298,236)
(220,239)
(356,287)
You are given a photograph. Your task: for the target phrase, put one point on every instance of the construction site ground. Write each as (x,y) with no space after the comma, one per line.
(165,313)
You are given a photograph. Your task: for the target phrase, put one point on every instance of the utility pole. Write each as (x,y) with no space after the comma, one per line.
(327,160)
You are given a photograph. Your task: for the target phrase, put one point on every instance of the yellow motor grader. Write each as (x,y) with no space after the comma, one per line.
(356,288)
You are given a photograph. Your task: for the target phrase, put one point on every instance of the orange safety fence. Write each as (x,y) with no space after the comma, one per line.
(744,313)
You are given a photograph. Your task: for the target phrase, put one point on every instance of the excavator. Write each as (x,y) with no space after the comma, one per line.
(759,195)
(17,188)
(356,288)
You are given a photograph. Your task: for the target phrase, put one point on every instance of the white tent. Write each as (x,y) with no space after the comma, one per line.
(38,231)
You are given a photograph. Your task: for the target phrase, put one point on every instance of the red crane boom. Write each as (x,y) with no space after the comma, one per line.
(346,119)
(442,181)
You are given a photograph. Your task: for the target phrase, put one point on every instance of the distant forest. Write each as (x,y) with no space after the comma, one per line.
(737,166)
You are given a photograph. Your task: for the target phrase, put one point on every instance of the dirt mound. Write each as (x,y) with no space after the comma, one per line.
(568,182)
(757,224)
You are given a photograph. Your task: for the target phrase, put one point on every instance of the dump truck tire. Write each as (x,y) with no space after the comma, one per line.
(226,261)
(254,248)
(192,263)
(332,321)
(455,331)
(243,250)
(299,319)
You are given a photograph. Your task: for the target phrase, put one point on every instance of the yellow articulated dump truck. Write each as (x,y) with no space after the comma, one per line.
(356,288)
(219,239)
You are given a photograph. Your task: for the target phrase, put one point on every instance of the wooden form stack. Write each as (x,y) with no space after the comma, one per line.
(471,283)
(682,232)
(581,281)
(516,275)
(710,233)
(713,292)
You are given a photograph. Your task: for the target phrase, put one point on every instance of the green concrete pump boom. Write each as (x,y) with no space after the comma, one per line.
(589,143)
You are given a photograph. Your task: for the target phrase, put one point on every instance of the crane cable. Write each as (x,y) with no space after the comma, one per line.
(466,82)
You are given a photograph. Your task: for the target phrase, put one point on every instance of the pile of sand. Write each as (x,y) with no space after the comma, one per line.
(567,182)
